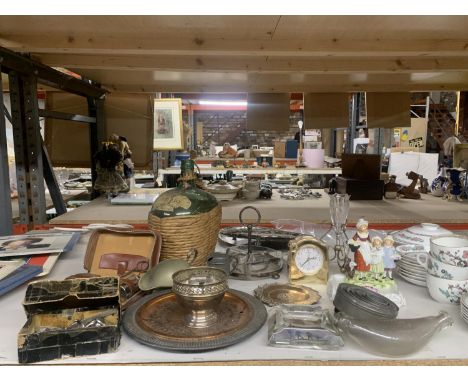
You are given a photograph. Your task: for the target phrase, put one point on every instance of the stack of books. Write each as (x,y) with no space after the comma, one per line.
(24,257)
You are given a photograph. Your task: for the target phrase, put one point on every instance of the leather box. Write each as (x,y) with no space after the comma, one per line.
(122,253)
(75,317)
(359,189)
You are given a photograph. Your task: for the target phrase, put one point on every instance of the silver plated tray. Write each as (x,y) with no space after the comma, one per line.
(262,236)
(158,321)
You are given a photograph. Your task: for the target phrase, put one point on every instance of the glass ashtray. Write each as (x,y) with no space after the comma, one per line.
(303,326)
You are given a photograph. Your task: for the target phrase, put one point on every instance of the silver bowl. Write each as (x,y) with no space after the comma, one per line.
(200,290)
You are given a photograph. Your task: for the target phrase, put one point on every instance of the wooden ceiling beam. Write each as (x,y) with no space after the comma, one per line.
(300,47)
(257,64)
(193,82)
(282,88)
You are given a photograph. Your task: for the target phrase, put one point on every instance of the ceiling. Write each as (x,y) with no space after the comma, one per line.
(250,53)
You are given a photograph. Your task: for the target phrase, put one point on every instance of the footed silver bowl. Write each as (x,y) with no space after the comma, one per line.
(200,290)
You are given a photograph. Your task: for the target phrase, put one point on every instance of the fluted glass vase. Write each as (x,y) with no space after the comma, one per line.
(339,209)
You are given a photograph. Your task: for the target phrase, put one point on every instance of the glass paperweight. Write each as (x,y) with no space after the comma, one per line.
(303,326)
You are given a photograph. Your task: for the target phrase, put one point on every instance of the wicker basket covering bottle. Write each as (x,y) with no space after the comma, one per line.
(187,218)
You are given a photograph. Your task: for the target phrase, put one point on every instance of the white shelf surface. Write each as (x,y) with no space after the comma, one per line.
(449,344)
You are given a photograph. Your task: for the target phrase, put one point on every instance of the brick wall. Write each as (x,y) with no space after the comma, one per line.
(232,127)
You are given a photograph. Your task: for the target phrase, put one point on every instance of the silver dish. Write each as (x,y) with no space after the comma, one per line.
(157,320)
(279,294)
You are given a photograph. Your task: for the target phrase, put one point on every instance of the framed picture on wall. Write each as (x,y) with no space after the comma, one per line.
(167,124)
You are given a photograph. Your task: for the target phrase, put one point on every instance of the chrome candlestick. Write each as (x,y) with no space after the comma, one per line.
(299,162)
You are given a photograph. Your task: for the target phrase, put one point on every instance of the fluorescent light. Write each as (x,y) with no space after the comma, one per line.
(222,103)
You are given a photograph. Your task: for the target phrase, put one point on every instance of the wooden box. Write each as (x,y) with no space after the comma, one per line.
(361,166)
(359,189)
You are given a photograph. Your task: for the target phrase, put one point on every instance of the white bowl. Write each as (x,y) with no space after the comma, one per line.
(419,234)
(446,291)
(440,269)
(450,249)
(223,191)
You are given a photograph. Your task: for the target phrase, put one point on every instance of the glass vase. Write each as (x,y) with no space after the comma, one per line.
(339,209)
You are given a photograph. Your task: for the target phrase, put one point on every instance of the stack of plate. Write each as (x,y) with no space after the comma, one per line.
(360,302)
(408,267)
(464,307)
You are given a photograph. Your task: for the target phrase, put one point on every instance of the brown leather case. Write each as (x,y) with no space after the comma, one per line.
(117,253)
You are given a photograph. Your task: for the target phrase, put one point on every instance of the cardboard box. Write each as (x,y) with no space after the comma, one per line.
(76,317)
(280,149)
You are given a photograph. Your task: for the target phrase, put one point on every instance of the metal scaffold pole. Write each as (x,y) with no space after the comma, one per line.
(6,220)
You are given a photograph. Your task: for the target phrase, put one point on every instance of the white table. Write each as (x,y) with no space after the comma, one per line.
(450,344)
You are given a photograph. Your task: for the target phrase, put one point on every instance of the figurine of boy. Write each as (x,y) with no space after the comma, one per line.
(389,256)
(360,245)
(377,254)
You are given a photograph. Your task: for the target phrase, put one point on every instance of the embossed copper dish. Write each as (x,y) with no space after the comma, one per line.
(158,321)
(277,294)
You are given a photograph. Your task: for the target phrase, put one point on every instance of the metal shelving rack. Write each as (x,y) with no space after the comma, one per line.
(33,165)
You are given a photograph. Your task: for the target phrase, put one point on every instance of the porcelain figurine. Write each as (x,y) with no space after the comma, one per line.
(371,266)
(360,246)
(454,187)
(438,185)
(377,253)
(389,256)
(127,169)
(109,170)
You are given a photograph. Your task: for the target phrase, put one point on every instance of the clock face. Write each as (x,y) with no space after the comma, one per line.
(309,259)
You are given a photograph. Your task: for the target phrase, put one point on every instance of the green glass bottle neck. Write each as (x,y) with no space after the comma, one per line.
(187,174)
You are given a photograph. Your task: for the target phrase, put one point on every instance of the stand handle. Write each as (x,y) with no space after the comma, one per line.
(249,226)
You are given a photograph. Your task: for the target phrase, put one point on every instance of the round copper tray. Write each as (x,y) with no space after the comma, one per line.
(276,294)
(158,321)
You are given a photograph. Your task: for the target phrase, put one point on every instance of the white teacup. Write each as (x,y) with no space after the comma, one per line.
(446,291)
(450,249)
(439,269)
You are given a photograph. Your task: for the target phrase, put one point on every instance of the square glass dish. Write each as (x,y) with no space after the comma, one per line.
(303,326)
